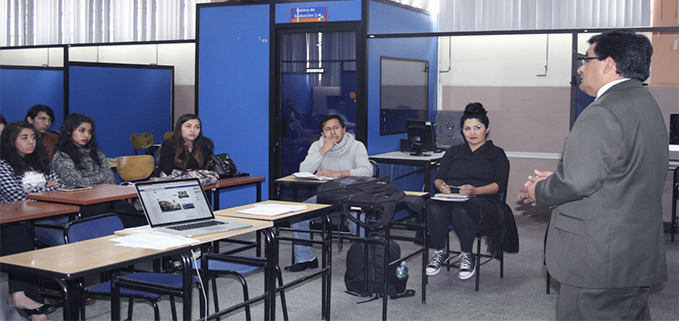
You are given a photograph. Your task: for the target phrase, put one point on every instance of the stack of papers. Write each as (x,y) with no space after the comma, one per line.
(312,176)
(452,197)
(151,240)
(272,209)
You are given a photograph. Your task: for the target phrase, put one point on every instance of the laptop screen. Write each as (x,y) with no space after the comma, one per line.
(172,202)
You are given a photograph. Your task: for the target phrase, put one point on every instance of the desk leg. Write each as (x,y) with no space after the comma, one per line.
(187,283)
(427,176)
(326,264)
(259,191)
(271,252)
(215,199)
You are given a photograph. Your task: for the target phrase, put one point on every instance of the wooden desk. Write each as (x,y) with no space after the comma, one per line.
(12,212)
(312,211)
(68,263)
(295,183)
(103,193)
(403,158)
(231,182)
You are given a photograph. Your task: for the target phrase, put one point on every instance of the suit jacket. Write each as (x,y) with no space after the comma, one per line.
(606,229)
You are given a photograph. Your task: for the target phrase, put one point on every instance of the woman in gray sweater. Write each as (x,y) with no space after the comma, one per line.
(78,160)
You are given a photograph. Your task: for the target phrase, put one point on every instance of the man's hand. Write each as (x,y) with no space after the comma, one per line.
(52,182)
(528,190)
(328,143)
(329,173)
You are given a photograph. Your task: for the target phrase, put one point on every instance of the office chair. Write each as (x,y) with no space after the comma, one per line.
(135,168)
(478,254)
(224,264)
(141,141)
(107,224)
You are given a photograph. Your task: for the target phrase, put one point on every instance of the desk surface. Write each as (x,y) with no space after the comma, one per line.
(78,259)
(97,194)
(235,181)
(30,210)
(230,213)
(294,180)
(405,156)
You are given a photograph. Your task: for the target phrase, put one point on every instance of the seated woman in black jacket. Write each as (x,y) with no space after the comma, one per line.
(476,168)
(187,149)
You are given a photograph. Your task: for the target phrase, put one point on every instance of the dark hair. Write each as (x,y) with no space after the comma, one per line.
(198,144)
(329,117)
(3,120)
(630,51)
(33,111)
(36,161)
(474,111)
(65,142)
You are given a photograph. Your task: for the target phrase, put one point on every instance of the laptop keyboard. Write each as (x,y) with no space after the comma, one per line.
(191,226)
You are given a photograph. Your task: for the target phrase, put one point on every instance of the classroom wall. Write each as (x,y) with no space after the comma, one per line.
(179,55)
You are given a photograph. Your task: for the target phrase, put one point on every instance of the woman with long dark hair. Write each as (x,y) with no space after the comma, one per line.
(187,148)
(24,169)
(78,160)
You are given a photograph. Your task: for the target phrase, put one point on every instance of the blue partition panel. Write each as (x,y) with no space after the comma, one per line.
(122,100)
(233,89)
(21,88)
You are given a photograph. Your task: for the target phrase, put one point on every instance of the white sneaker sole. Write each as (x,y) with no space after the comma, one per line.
(468,276)
(433,273)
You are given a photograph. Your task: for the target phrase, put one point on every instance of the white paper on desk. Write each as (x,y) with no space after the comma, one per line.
(152,240)
(272,209)
(312,176)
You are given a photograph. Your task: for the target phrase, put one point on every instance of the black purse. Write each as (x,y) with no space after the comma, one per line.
(223,165)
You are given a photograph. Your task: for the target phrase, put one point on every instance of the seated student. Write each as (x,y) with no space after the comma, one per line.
(24,169)
(41,117)
(187,148)
(336,154)
(477,168)
(78,160)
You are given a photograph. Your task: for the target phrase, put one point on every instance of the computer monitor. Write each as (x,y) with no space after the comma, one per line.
(421,136)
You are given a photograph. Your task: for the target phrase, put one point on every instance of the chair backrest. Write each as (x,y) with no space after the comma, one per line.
(141,141)
(92,227)
(168,135)
(134,168)
(376,168)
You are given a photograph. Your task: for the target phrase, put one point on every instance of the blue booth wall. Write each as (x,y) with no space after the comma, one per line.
(386,18)
(23,87)
(122,100)
(349,10)
(233,89)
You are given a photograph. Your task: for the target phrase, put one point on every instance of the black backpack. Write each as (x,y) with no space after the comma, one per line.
(355,274)
(363,190)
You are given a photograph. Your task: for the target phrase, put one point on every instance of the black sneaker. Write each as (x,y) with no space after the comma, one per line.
(467,266)
(434,265)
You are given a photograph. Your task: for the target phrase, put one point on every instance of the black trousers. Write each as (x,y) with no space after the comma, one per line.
(16,238)
(440,215)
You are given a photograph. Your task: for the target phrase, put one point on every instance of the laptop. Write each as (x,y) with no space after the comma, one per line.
(179,207)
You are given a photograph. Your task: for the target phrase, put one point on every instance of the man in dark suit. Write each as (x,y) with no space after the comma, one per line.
(605,241)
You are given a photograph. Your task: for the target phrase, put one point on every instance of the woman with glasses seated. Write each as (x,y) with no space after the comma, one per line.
(478,169)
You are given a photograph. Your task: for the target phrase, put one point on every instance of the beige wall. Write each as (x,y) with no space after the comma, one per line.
(536,120)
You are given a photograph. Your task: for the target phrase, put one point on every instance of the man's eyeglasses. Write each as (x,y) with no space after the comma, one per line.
(585,60)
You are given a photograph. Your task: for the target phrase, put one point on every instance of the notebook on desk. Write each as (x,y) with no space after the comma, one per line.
(179,207)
